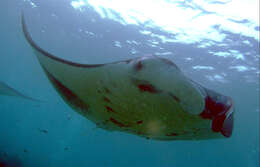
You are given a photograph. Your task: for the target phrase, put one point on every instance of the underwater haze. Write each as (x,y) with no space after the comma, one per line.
(214,42)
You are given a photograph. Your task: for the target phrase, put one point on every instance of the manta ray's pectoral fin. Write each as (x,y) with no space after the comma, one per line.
(48,60)
(8,91)
(147,96)
(67,77)
(63,70)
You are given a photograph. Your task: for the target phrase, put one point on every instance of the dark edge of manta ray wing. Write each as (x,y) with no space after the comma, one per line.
(66,94)
(45,53)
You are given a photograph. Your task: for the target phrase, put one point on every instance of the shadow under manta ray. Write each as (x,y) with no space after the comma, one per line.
(147,96)
(8,91)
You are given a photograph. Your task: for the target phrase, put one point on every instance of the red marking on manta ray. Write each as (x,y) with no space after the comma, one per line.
(217,123)
(117,122)
(109,109)
(212,109)
(66,93)
(216,111)
(139,122)
(106,99)
(147,88)
(171,134)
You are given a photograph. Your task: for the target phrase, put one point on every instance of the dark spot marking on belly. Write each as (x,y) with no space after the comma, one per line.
(171,134)
(106,99)
(107,90)
(117,122)
(147,88)
(139,122)
(109,109)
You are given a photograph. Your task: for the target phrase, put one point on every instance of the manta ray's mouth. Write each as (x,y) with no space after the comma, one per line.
(227,126)
(223,122)
(220,110)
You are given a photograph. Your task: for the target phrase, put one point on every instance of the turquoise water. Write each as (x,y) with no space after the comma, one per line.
(50,134)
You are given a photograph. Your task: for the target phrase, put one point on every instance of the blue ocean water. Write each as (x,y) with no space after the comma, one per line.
(215,48)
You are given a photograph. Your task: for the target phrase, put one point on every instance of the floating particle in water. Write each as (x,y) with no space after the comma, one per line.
(43,130)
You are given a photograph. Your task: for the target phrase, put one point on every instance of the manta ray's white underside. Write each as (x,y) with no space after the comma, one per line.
(147,96)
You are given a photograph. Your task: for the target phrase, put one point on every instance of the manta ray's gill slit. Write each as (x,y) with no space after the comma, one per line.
(117,98)
(107,100)
(109,109)
(117,122)
(66,93)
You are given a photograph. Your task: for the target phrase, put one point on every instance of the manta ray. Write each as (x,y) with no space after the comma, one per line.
(146,96)
(8,91)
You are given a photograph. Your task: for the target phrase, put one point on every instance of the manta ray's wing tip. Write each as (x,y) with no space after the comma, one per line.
(25,31)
